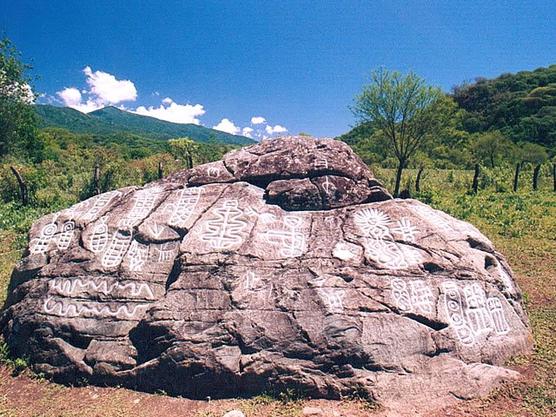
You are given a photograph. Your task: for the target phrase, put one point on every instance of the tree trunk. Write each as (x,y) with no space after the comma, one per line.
(516,176)
(398,179)
(475,185)
(189,161)
(536,173)
(160,170)
(23,193)
(418,180)
(96,180)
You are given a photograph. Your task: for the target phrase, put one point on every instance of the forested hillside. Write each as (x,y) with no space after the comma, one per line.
(111,121)
(522,106)
(506,120)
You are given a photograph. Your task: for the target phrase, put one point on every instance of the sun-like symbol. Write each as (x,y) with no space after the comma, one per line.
(372,222)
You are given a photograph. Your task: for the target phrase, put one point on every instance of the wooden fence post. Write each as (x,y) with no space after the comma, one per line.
(418,180)
(160,170)
(554,175)
(516,176)
(23,192)
(96,179)
(536,173)
(475,185)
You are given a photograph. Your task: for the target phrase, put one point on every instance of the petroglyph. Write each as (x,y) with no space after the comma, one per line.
(145,201)
(65,238)
(415,297)
(333,298)
(479,315)
(47,233)
(116,249)
(70,309)
(167,251)
(99,236)
(74,287)
(379,242)
(257,289)
(185,206)
(454,309)
(100,202)
(328,186)
(291,238)
(226,230)
(138,255)
(406,230)
(321,163)
(214,172)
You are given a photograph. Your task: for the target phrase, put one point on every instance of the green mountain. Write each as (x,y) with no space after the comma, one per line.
(110,120)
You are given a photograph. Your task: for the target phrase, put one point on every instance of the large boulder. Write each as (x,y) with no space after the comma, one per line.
(285,265)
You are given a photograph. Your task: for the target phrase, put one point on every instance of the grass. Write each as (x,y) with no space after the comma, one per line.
(522,226)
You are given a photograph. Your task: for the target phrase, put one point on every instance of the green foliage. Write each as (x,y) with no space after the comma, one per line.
(522,105)
(404,111)
(17,119)
(491,148)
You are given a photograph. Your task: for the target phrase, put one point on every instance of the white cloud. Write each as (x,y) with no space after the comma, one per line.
(106,89)
(247,132)
(226,125)
(257,120)
(70,96)
(173,112)
(271,130)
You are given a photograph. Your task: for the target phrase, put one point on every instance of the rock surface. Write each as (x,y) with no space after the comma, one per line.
(284,266)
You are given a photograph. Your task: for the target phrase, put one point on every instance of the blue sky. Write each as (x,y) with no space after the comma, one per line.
(297,64)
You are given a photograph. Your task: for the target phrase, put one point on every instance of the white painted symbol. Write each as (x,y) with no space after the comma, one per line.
(156,229)
(167,252)
(497,314)
(227,228)
(454,309)
(415,297)
(477,314)
(291,238)
(116,249)
(64,239)
(187,201)
(379,242)
(267,217)
(75,309)
(333,298)
(406,230)
(74,287)
(481,315)
(46,235)
(214,171)
(321,163)
(99,237)
(100,202)
(138,256)
(144,201)
(328,186)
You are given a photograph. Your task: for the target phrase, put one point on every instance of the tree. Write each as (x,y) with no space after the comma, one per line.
(405,110)
(491,148)
(183,149)
(18,136)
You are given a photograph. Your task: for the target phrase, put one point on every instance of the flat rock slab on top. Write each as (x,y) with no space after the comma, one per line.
(285,265)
